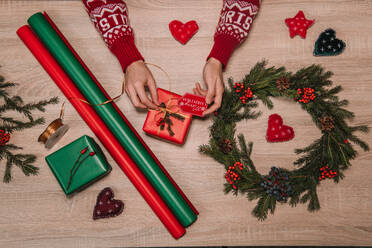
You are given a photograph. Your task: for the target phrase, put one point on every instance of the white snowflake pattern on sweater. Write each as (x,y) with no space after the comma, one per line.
(236,19)
(112,21)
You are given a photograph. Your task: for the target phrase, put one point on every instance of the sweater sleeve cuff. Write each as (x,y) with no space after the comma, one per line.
(126,52)
(222,49)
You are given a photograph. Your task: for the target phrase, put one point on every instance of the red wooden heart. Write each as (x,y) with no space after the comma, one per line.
(183,32)
(106,205)
(276,131)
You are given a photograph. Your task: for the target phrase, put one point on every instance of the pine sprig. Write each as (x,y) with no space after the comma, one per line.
(332,149)
(11,124)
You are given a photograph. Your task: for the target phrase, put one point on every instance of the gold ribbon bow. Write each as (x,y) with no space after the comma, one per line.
(168,110)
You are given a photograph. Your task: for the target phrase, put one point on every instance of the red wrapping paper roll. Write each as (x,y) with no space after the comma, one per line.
(101,131)
(119,111)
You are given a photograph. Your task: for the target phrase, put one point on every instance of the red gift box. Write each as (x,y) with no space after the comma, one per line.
(170,122)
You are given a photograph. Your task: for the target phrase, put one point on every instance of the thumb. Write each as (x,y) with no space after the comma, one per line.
(210,94)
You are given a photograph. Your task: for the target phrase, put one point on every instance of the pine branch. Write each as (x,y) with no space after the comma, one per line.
(8,170)
(245,152)
(5,86)
(12,124)
(263,206)
(41,104)
(24,161)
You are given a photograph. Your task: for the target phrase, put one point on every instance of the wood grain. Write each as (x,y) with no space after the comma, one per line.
(34,211)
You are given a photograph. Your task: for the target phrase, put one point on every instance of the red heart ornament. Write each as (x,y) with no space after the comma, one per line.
(276,131)
(106,205)
(183,32)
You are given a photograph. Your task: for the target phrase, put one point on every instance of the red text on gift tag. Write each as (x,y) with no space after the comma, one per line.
(193,104)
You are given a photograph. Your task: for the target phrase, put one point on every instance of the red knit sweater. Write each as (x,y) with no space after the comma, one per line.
(110,17)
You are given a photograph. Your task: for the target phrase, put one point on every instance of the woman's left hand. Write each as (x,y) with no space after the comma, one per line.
(212,75)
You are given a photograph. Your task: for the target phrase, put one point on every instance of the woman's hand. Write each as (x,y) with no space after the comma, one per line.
(213,79)
(137,77)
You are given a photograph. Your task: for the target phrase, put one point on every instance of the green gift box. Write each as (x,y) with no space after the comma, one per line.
(78,164)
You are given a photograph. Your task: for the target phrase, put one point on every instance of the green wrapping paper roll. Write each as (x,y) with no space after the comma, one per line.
(112,119)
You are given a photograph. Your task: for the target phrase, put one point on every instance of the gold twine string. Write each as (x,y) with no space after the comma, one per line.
(50,130)
(57,124)
(54,131)
(168,109)
(61,111)
(123,88)
(165,73)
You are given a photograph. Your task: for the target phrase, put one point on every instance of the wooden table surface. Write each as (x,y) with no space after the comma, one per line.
(34,212)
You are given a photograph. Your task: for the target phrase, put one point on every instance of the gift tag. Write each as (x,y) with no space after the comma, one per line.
(193,104)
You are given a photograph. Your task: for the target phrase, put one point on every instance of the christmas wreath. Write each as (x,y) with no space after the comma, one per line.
(326,158)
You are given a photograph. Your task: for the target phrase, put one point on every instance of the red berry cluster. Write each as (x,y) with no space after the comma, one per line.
(239,87)
(244,94)
(306,94)
(326,172)
(4,137)
(248,93)
(346,141)
(231,175)
(160,122)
